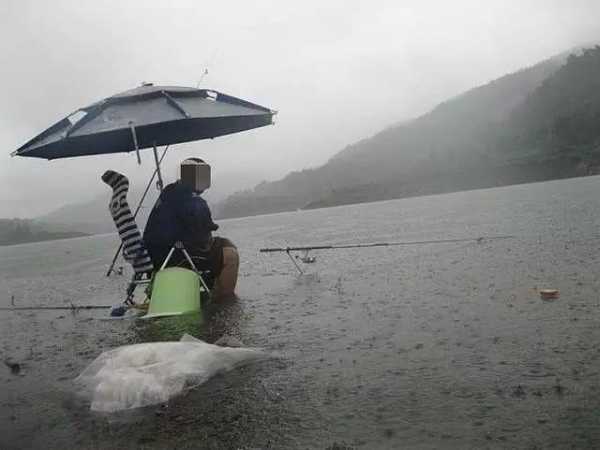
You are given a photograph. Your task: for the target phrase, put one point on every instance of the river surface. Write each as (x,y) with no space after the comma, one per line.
(424,346)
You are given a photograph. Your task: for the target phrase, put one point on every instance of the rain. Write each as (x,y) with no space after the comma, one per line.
(333,225)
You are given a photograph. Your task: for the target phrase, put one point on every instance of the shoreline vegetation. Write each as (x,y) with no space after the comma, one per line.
(463,180)
(23,231)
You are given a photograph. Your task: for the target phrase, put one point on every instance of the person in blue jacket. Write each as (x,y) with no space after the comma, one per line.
(181,215)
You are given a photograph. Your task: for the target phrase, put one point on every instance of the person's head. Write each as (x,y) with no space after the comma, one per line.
(195,173)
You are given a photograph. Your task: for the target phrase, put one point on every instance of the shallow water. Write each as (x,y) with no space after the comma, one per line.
(427,346)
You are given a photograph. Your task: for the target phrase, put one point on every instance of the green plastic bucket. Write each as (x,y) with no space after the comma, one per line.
(175,291)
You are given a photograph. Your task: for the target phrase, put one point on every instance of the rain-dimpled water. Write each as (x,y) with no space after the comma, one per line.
(424,346)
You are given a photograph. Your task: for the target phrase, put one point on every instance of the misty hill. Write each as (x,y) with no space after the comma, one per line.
(85,216)
(92,216)
(19,231)
(536,124)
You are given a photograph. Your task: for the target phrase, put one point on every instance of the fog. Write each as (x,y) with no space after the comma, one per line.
(336,72)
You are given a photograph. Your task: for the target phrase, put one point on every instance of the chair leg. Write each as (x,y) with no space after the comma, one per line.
(180,247)
(130,291)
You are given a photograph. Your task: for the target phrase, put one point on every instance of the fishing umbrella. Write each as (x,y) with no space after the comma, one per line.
(144,117)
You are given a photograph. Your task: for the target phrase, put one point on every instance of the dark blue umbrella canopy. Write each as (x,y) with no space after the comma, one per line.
(144,117)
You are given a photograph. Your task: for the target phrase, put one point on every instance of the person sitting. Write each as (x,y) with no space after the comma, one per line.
(180,214)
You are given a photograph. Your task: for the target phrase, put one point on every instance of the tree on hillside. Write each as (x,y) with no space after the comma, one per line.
(563,114)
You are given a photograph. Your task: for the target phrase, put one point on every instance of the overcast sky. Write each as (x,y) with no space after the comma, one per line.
(337,71)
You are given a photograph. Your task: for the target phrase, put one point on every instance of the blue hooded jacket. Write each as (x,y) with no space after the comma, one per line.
(178,215)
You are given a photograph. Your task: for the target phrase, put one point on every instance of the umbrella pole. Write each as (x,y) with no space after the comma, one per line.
(160,180)
(156,172)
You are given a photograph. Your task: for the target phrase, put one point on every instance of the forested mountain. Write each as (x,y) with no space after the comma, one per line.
(562,116)
(539,123)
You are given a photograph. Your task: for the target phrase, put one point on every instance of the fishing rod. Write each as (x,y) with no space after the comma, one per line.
(310,259)
(72,307)
(380,244)
(208,63)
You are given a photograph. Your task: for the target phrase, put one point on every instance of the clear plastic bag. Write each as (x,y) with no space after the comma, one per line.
(145,374)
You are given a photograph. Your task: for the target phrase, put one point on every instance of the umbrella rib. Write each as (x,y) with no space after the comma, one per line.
(238,101)
(171,101)
(90,115)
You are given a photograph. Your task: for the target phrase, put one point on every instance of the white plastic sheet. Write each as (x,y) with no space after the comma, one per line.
(145,374)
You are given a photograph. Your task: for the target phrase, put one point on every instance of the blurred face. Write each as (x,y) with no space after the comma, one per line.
(196,175)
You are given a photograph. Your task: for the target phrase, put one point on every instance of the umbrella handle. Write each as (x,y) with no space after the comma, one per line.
(135,143)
